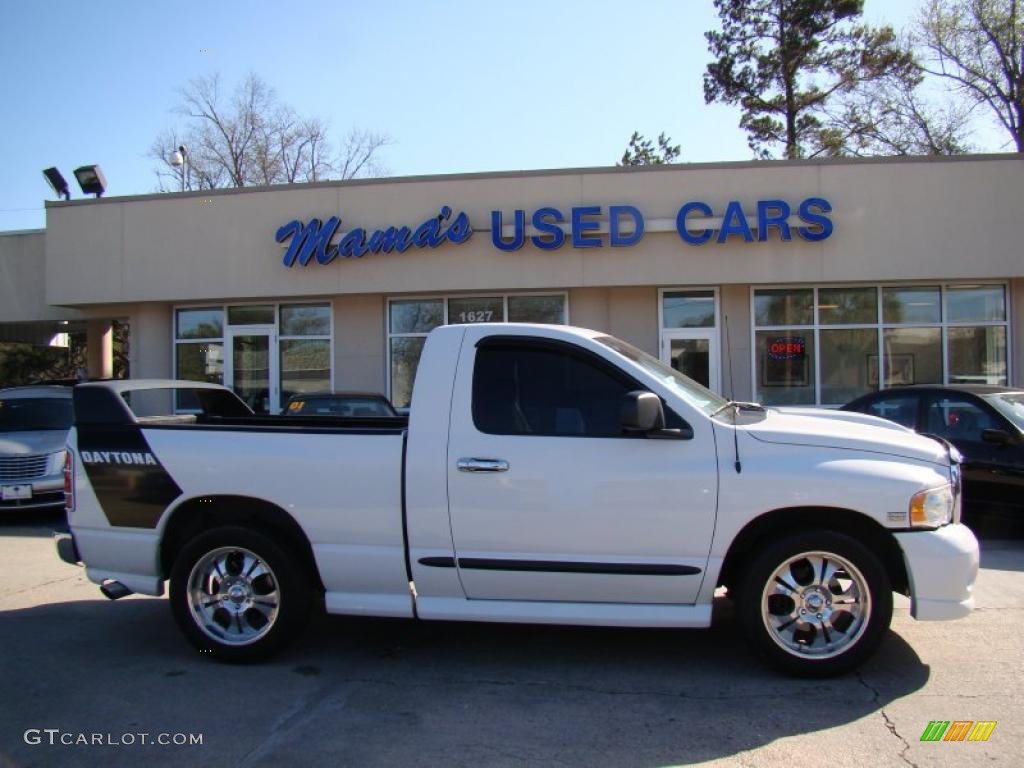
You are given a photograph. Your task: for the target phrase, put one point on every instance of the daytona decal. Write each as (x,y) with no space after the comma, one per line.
(116,457)
(131,485)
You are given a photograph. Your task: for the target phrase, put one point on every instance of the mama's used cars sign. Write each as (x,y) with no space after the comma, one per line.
(588,226)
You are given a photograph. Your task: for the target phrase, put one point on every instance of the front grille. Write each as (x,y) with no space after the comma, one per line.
(23,467)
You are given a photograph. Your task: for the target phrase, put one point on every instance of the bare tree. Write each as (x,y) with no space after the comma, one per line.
(978,45)
(252,138)
(893,115)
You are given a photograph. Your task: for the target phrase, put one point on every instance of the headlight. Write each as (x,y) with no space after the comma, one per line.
(56,463)
(932,508)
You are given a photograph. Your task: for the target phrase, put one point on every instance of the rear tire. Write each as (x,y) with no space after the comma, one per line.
(815,604)
(238,595)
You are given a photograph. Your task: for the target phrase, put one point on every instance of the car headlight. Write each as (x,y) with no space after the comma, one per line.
(56,463)
(933,507)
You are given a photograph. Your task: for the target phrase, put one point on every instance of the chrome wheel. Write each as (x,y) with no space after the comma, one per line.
(816,605)
(233,596)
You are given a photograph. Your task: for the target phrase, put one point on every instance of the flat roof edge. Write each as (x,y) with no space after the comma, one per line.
(14,232)
(525,174)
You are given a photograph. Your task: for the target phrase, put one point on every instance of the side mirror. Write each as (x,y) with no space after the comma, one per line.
(997,437)
(642,412)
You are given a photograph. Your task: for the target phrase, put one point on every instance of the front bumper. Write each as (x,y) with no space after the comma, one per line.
(942,566)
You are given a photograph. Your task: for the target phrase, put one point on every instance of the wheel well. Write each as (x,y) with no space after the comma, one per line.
(782,521)
(200,514)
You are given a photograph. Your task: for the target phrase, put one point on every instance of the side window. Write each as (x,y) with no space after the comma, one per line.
(957,419)
(526,389)
(900,408)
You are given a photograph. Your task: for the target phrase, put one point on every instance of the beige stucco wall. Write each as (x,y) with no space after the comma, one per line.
(359,342)
(151,348)
(894,220)
(631,313)
(23,279)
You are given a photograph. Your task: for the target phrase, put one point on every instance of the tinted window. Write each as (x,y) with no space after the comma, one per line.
(31,413)
(522,389)
(899,408)
(957,418)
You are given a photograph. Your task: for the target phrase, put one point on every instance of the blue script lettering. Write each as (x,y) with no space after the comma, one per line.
(314,239)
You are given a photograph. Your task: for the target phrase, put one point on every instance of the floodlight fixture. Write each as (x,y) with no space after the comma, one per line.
(91,180)
(57,182)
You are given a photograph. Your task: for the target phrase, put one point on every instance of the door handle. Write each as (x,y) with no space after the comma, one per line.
(482,465)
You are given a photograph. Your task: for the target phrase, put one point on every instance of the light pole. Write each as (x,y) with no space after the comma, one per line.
(180,160)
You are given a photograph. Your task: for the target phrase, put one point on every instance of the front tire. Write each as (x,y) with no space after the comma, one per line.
(815,604)
(237,595)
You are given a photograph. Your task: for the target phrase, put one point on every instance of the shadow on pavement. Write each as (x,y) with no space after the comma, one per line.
(32,524)
(1002,554)
(378,691)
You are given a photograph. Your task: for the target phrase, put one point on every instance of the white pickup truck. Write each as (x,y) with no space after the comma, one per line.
(546,474)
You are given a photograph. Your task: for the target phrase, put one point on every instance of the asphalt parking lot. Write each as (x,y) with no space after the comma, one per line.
(386,692)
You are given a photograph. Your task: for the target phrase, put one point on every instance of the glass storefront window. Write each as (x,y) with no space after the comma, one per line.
(202,361)
(476,310)
(301,362)
(912,356)
(200,323)
(251,315)
(977,355)
(405,359)
(911,304)
(846,362)
(976,303)
(410,320)
(785,364)
(305,320)
(927,334)
(784,306)
(847,306)
(305,366)
(416,315)
(688,309)
(536,309)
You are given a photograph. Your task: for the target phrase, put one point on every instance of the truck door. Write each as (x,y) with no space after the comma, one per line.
(550,500)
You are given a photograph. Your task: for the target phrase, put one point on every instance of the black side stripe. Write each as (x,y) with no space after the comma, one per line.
(132,486)
(562,566)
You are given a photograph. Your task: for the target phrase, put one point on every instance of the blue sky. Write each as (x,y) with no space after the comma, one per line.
(459,86)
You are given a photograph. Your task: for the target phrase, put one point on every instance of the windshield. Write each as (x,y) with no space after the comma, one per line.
(30,414)
(692,392)
(1011,405)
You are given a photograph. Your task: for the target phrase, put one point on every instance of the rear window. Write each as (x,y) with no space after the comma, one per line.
(35,413)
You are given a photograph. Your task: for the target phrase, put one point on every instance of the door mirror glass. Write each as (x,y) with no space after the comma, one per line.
(642,412)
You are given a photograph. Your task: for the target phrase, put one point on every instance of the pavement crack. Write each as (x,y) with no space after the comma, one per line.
(40,585)
(889,724)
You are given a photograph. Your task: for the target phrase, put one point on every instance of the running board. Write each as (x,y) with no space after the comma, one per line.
(591,614)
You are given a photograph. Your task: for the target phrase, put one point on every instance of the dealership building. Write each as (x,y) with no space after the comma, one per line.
(790,282)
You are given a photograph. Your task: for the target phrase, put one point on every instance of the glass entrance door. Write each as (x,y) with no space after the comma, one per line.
(251,368)
(695,353)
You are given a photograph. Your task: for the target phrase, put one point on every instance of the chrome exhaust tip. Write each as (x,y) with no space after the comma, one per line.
(114,590)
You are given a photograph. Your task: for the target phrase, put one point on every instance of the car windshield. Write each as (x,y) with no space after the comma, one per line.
(359,407)
(696,395)
(28,414)
(1011,405)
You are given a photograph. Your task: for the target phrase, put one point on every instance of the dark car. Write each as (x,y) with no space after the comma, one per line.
(361,405)
(985,423)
